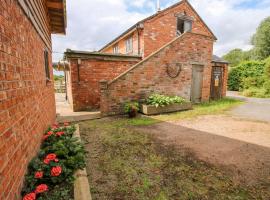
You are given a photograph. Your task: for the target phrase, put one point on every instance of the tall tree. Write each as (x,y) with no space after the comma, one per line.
(236,56)
(261,39)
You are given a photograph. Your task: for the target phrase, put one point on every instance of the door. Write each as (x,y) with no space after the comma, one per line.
(197,82)
(216,83)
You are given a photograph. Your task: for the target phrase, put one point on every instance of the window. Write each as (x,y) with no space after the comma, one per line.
(183,26)
(46,61)
(116,49)
(129,45)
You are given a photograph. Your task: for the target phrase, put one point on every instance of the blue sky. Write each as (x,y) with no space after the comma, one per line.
(93,23)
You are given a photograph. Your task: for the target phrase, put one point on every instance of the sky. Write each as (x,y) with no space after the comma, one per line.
(93,23)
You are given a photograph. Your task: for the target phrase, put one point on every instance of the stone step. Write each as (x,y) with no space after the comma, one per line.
(77,116)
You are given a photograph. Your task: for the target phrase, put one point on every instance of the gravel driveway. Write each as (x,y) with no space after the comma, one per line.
(254,108)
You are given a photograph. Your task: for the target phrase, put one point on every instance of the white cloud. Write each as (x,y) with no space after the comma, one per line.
(91,24)
(232,24)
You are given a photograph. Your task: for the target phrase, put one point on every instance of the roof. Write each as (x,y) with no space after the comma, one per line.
(217,59)
(57,14)
(98,55)
(152,16)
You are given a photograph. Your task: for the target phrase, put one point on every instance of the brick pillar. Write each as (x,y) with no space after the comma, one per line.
(103,86)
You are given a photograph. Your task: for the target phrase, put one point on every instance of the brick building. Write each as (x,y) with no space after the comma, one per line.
(170,52)
(27,103)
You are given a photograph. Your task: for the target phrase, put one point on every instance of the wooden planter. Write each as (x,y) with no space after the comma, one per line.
(153,110)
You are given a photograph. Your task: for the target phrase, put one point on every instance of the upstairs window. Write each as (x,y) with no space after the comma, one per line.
(116,49)
(183,26)
(129,45)
(46,62)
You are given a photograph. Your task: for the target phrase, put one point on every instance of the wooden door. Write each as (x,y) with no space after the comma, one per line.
(216,83)
(197,83)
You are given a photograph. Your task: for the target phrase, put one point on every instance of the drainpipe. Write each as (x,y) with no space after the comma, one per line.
(139,27)
(78,70)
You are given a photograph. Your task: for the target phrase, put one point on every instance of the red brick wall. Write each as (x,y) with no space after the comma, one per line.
(161,29)
(86,94)
(150,75)
(27,105)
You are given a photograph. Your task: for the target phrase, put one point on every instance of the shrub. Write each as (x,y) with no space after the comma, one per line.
(251,69)
(256,92)
(162,100)
(266,86)
(60,156)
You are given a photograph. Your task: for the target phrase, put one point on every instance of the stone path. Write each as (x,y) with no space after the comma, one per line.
(65,113)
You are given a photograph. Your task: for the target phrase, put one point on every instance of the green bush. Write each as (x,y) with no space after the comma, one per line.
(256,92)
(267,68)
(254,70)
(266,86)
(162,100)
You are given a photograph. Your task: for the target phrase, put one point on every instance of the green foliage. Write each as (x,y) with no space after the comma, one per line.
(261,39)
(162,100)
(236,56)
(266,86)
(131,106)
(247,73)
(267,68)
(58,78)
(70,154)
(256,92)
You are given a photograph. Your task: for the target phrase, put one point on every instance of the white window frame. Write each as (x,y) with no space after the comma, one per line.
(116,49)
(129,44)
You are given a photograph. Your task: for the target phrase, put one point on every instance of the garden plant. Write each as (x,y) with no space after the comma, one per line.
(50,173)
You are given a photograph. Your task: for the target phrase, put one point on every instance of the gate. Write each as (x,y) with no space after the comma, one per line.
(216,83)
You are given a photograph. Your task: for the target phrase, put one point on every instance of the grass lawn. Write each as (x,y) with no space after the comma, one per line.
(127,165)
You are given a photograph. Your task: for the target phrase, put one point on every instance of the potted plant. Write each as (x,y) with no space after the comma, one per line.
(132,108)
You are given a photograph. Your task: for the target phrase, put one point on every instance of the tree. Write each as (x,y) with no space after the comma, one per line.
(261,39)
(236,56)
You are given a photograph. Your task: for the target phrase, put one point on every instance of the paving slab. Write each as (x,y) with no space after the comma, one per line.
(66,114)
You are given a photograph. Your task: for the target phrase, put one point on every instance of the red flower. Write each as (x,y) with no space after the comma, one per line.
(55,126)
(46,161)
(30,196)
(56,160)
(49,158)
(39,175)
(56,171)
(49,133)
(60,133)
(41,188)
(66,124)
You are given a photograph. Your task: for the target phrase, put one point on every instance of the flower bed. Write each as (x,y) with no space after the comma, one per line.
(51,174)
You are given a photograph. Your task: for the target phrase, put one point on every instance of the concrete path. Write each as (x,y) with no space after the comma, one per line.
(65,113)
(254,108)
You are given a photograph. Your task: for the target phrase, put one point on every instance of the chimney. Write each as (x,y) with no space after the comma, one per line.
(158,5)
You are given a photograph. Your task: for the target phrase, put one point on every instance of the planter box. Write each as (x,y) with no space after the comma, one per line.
(153,110)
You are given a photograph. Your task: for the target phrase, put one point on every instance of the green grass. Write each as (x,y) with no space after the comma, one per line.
(126,164)
(210,108)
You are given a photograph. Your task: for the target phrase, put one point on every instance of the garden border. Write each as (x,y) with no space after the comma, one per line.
(81,184)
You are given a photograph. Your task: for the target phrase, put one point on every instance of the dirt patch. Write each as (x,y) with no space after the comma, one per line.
(253,132)
(245,162)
